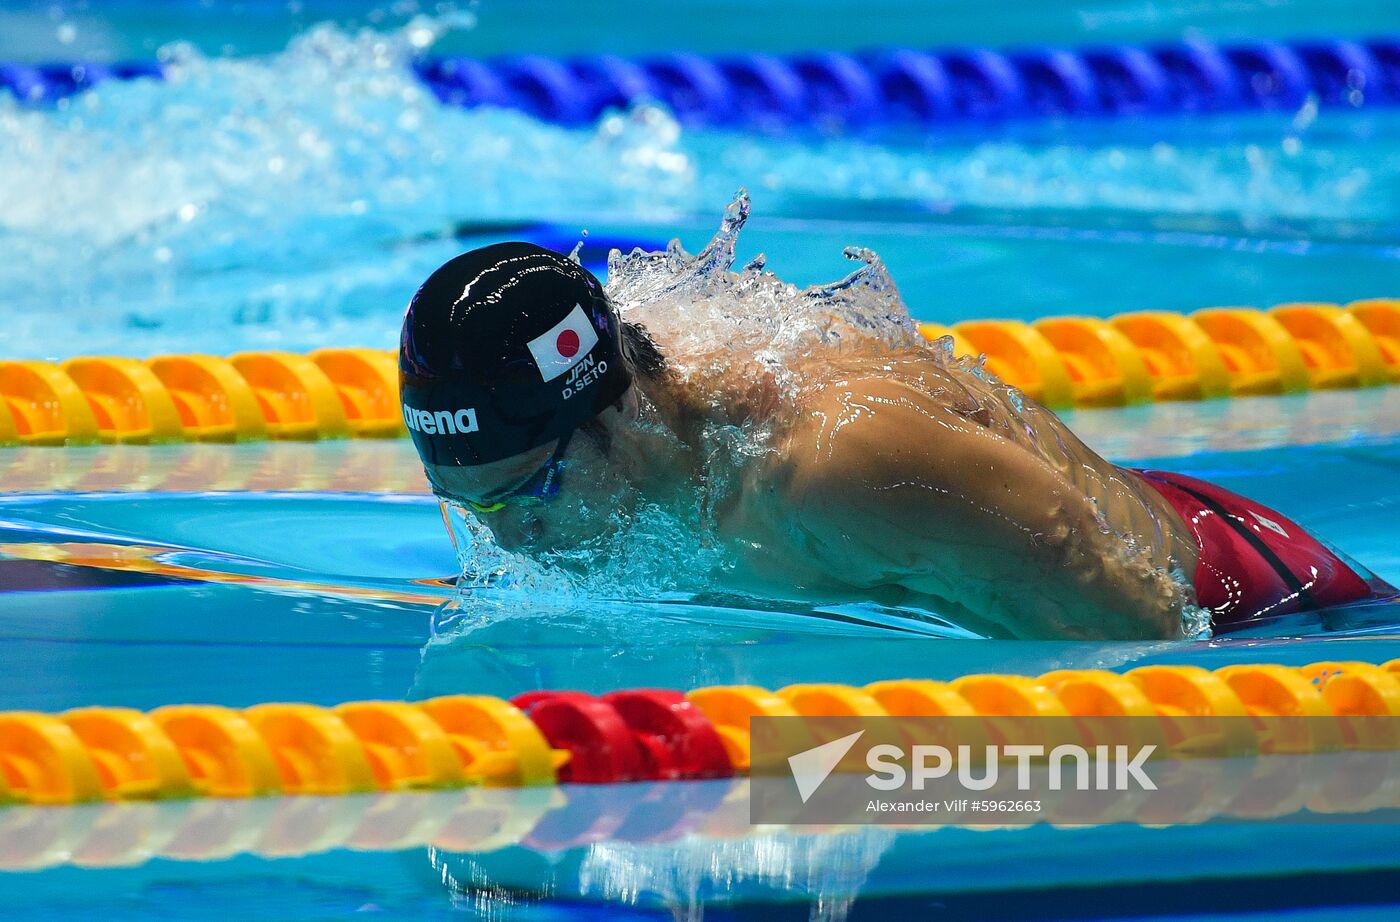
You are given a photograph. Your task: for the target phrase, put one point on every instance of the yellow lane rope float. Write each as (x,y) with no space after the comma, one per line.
(1160,355)
(475,773)
(540,738)
(1060,361)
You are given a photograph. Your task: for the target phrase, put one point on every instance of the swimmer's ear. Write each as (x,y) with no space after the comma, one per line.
(641,351)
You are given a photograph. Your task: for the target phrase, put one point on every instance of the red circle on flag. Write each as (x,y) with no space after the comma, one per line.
(567,344)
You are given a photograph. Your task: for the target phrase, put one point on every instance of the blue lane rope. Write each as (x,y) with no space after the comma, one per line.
(899,85)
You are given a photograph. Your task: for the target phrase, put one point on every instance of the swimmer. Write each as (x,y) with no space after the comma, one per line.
(889,477)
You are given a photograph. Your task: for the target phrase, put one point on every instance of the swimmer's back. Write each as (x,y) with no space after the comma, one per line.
(904,479)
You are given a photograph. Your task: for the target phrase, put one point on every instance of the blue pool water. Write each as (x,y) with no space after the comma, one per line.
(292,196)
(297,198)
(343,607)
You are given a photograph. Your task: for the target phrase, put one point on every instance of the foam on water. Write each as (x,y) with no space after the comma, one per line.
(296,200)
(269,196)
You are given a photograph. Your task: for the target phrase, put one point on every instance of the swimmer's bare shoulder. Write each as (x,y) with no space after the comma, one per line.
(889,483)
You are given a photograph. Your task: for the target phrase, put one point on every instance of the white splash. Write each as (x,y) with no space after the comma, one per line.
(695,303)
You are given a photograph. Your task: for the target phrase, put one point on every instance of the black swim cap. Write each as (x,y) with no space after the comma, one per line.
(504,349)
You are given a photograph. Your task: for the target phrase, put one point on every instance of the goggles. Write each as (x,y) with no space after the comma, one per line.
(542,486)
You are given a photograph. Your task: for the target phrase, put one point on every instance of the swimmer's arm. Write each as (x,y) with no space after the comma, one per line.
(892,486)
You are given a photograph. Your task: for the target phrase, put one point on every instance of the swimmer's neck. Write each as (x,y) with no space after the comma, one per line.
(713,394)
(677,406)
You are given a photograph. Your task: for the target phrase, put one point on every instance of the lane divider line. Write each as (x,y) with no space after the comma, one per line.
(839,90)
(545,737)
(1060,361)
(113,787)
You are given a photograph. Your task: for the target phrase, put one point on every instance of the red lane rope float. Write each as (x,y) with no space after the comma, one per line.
(598,741)
(645,735)
(543,737)
(677,740)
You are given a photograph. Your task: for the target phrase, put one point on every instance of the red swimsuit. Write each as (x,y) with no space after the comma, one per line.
(1253,561)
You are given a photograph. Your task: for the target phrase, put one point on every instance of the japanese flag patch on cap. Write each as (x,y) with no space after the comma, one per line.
(565,345)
